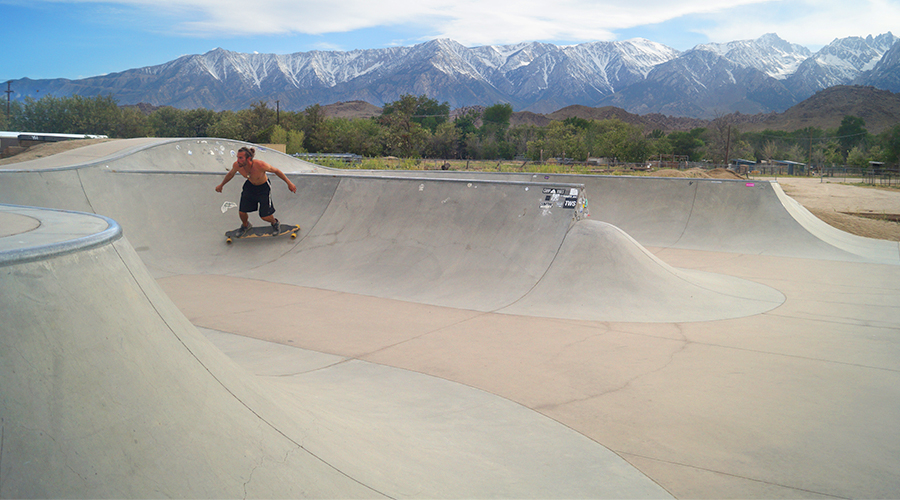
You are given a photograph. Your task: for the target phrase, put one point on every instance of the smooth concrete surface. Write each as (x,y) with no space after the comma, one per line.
(739,216)
(11,224)
(445,336)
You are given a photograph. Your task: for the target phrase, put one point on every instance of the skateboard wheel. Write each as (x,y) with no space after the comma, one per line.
(228,240)
(293,236)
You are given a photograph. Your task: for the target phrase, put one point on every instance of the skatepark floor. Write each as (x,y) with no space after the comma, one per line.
(418,398)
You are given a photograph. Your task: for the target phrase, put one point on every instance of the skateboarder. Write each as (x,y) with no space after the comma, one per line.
(257,190)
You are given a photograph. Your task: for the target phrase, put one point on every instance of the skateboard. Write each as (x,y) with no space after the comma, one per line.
(262,232)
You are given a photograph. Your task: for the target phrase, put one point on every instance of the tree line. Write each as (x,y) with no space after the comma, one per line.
(421,127)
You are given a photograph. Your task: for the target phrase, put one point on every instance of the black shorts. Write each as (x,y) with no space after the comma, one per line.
(255,198)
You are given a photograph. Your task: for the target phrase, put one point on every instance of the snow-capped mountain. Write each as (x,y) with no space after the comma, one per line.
(886,73)
(703,84)
(838,63)
(768,53)
(641,76)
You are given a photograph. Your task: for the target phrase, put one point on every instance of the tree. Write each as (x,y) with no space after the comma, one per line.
(688,143)
(770,150)
(558,140)
(856,157)
(852,132)
(519,136)
(164,122)
(257,122)
(227,126)
(890,144)
(422,110)
(404,137)
(279,136)
(195,122)
(613,139)
(132,123)
(68,115)
(444,142)
(294,142)
(495,120)
(466,125)
(719,139)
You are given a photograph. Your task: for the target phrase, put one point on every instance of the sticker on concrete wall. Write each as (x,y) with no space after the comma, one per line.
(570,202)
(228,205)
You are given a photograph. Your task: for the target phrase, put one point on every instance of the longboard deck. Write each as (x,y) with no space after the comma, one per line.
(264,231)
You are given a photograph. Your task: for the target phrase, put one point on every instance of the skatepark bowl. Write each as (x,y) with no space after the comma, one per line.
(435,335)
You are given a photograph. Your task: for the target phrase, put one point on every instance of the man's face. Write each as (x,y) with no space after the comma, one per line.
(242,159)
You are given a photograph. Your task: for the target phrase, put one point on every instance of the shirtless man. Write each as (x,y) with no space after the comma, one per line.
(257,189)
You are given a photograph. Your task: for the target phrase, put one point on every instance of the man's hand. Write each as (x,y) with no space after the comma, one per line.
(219,188)
(292,187)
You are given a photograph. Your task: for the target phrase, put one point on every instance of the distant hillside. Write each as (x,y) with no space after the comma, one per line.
(880,109)
(352,109)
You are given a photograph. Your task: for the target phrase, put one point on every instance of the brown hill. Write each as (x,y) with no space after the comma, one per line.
(649,122)
(880,109)
(351,109)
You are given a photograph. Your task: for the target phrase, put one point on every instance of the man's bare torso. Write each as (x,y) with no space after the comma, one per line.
(254,171)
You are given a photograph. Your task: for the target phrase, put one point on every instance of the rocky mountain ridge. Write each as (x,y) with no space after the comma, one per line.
(764,75)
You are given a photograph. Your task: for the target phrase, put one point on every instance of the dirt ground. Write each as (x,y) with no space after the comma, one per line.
(850,207)
(839,202)
(49,149)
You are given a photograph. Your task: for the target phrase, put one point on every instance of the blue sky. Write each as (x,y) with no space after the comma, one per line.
(77,39)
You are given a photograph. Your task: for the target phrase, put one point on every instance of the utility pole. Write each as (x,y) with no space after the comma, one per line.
(8,94)
(809,155)
(277,113)
(728,148)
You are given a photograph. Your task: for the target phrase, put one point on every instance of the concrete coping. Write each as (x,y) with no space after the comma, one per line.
(414,176)
(53,233)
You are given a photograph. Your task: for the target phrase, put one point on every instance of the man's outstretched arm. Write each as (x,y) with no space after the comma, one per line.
(283,177)
(227,178)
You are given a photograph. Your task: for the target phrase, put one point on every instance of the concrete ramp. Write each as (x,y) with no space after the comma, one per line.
(474,244)
(439,336)
(108,391)
(721,215)
(602,274)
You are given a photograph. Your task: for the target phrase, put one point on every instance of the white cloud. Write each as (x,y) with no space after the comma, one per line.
(477,22)
(812,24)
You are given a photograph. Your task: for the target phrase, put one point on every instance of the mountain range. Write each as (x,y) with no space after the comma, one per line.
(642,77)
